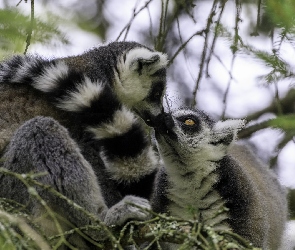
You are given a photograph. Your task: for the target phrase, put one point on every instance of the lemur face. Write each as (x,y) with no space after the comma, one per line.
(140,81)
(184,129)
(188,132)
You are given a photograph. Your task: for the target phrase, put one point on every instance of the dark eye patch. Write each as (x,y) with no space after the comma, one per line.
(189,124)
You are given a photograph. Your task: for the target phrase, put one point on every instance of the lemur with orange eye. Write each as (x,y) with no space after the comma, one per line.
(80,119)
(210,178)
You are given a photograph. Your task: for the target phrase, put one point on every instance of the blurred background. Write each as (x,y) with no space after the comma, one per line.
(231,58)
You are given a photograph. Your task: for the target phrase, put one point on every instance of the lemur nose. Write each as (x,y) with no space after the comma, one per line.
(151,119)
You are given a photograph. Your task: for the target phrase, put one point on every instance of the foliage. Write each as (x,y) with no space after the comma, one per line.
(15,28)
(281,13)
(19,232)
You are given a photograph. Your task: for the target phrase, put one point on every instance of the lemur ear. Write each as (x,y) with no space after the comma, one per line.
(145,61)
(225,132)
(149,61)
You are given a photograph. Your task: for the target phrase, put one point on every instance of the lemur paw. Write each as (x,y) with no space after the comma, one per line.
(124,211)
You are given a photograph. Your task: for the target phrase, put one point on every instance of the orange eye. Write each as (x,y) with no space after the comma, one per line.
(189,122)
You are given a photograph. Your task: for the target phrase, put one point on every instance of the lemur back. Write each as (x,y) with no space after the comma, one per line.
(99,98)
(204,179)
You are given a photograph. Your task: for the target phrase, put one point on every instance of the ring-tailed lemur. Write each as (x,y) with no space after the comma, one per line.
(202,180)
(96,96)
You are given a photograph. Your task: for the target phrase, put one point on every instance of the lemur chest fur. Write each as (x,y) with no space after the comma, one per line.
(191,192)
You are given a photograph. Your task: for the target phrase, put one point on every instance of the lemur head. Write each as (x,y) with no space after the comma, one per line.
(187,133)
(140,81)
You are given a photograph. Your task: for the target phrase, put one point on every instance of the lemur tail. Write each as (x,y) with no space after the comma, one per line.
(43,75)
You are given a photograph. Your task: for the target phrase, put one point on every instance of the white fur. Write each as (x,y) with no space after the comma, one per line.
(86,92)
(134,54)
(182,112)
(128,83)
(48,80)
(122,122)
(228,126)
(132,168)
(191,195)
(192,191)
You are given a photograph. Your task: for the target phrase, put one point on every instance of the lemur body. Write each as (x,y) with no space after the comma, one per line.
(96,96)
(206,180)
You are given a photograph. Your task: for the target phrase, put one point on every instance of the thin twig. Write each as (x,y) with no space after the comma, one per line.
(151,22)
(30,29)
(234,51)
(198,33)
(81,209)
(25,179)
(28,180)
(224,66)
(127,26)
(215,36)
(258,14)
(160,38)
(18,3)
(277,99)
(204,53)
(248,131)
(184,51)
(166,11)
(26,229)
(287,138)
(237,237)
(255,33)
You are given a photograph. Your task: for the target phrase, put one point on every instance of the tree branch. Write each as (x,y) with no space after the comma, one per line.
(128,25)
(161,228)
(183,45)
(287,105)
(30,30)
(234,51)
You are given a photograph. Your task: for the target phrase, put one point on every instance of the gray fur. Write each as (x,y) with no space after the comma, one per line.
(203,175)
(268,207)
(42,145)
